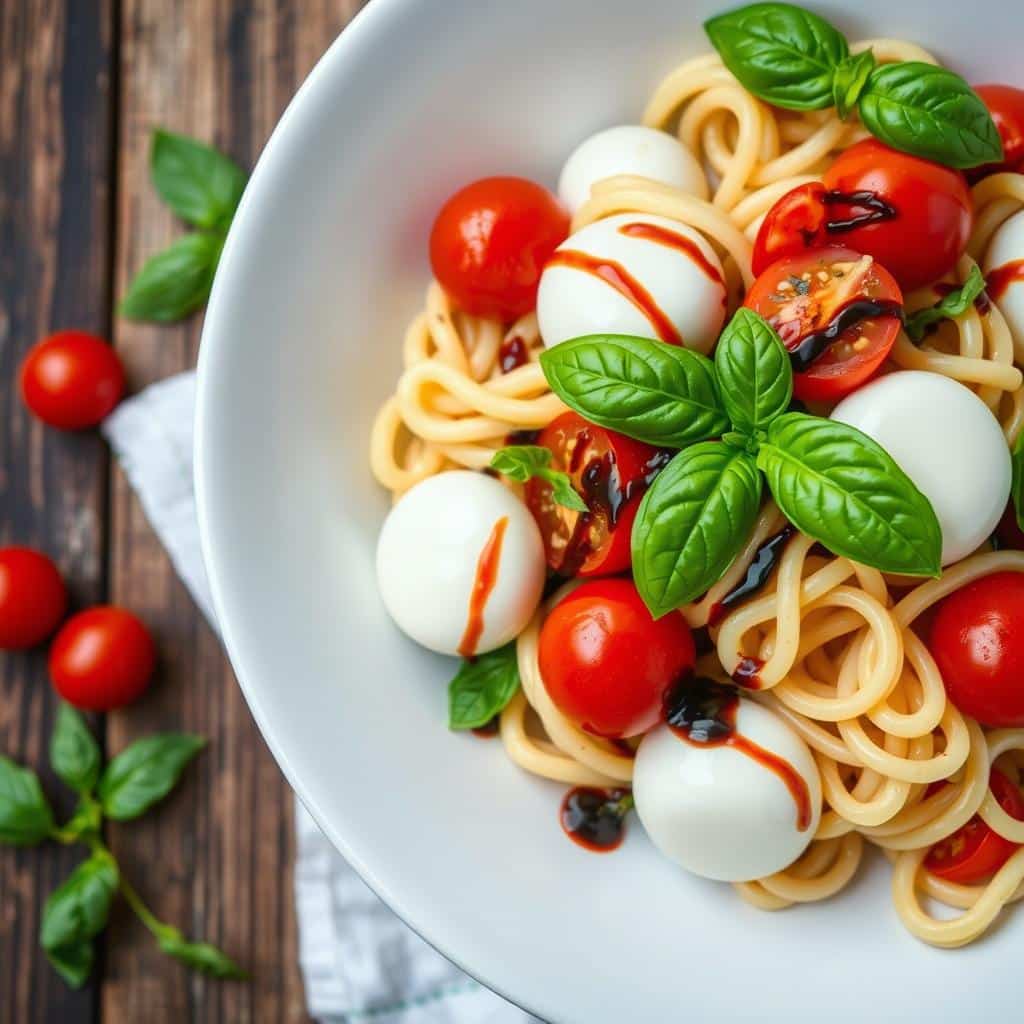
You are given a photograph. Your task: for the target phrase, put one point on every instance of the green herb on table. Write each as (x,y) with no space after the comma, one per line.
(956,303)
(137,778)
(794,59)
(203,187)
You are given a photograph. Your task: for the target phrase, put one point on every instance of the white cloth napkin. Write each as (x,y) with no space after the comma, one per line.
(359,961)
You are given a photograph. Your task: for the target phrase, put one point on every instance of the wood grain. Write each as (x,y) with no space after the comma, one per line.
(55,181)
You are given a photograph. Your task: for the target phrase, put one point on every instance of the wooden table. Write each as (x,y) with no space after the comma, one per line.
(82,84)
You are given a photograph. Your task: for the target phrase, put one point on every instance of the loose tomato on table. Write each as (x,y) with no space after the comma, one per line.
(490,242)
(1006,105)
(606,663)
(912,215)
(33,598)
(977,641)
(102,659)
(975,851)
(838,314)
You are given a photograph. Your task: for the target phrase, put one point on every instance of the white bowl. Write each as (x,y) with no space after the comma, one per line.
(325,263)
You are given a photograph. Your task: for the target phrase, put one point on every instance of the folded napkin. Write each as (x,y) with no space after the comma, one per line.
(359,961)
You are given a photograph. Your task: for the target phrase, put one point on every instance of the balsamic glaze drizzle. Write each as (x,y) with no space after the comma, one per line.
(595,818)
(814,345)
(765,559)
(877,210)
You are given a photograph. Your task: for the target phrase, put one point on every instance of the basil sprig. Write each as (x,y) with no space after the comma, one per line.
(797,60)
(833,482)
(956,303)
(520,462)
(482,687)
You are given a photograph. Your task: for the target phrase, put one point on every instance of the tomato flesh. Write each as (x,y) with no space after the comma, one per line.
(611,472)
(606,663)
(817,291)
(975,851)
(1006,105)
(33,598)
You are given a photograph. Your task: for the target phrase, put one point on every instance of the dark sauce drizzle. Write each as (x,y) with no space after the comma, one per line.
(522,437)
(875,210)
(595,818)
(1000,279)
(814,345)
(747,673)
(765,559)
(512,354)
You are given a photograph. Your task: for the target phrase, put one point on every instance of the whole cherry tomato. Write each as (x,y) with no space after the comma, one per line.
(72,380)
(1006,105)
(977,640)
(912,215)
(33,598)
(490,242)
(606,663)
(611,472)
(974,852)
(808,296)
(102,659)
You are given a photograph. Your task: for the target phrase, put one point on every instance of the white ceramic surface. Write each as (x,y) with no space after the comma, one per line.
(325,263)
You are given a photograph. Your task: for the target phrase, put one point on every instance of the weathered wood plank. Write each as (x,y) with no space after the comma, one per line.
(55,183)
(216,858)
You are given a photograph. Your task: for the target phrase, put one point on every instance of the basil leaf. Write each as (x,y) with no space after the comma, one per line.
(1017,486)
(199,184)
(200,956)
(520,462)
(175,282)
(145,773)
(850,79)
(692,523)
(74,962)
(929,112)
(78,909)
(74,753)
(25,815)
(482,687)
(838,486)
(662,394)
(754,373)
(781,53)
(952,305)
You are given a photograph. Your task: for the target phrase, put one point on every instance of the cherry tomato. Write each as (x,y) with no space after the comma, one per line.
(72,380)
(606,663)
(914,216)
(32,598)
(805,295)
(611,472)
(977,641)
(1006,105)
(102,659)
(974,852)
(490,242)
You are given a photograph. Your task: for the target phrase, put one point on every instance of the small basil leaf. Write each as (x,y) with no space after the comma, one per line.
(25,814)
(74,962)
(74,753)
(174,283)
(482,687)
(929,112)
(754,372)
(838,486)
(199,184)
(520,462)
(662,394)
(781,53)
(692,523)
(850,78)
(78,909)
(200,956)
(145,773)
(1017,487)
(952,305)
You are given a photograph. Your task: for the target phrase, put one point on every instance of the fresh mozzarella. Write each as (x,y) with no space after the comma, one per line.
(719,812)
(949,444)
(1004,268)
(629,149)
(635,274)
(431,555)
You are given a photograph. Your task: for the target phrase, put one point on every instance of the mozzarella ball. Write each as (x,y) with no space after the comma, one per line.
(947,441)
(718,811)
(636,274)
(1004,268)
(450,536)
(629,149)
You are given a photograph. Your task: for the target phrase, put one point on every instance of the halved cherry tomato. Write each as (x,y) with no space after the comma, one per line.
(606,663)
(33,598)
(914,216)
(1006,105)
(977,641)
(490,242)
(809,298)
(974,852)
(611,472)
